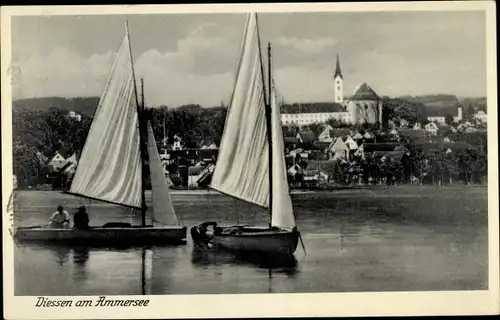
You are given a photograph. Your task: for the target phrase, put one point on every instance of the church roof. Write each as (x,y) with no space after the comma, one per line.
(313,107)
(364,92)
(338,72)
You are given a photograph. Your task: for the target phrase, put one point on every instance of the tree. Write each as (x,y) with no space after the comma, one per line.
(422,168)
(315,127)
(466,163)
(450,163)
(436,165)
(337,123)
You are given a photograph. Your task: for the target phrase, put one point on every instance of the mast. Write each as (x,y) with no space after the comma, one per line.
(267,102)
(164,142)
(143,150)
(269,133)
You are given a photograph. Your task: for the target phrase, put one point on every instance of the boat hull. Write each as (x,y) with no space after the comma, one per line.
(248,239)
(107,236)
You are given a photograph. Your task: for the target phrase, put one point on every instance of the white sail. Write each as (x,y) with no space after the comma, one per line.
(282,210)
(163,210)
(242,164)
(110,166)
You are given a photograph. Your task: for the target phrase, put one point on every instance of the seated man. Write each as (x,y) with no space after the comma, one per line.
(81,219)
(60,219)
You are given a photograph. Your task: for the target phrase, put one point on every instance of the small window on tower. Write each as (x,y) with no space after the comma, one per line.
(338,88)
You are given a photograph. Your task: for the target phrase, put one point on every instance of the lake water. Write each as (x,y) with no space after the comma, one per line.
(396,239)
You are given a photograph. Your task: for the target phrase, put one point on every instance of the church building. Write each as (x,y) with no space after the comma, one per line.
(364,106)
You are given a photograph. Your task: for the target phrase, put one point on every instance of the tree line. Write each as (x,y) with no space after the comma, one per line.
(43,133)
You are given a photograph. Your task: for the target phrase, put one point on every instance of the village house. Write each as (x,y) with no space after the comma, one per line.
(75,116)
(200,175)
(177,145)
(481,116)
(432,128)
(295,175)
(360,153)
(350,143)
(370,148)
(388,156)
(417,126)
(358,137)
(368,136)
(325,135)
(70,166)
(326,167)
(338,150)
(403,123)
(57,162)
(394,135)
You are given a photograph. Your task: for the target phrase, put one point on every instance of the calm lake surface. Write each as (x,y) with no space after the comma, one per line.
(395,239)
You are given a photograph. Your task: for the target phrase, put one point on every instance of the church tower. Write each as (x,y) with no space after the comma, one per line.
(338,81)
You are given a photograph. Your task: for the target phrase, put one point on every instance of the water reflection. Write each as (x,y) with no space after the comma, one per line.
(61,254)
(80,255)
(286,264)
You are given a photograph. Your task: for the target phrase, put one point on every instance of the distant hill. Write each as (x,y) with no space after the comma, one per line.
(434,100)
(441,104)
(477,104)
(412,106)
(81,105)
(437,100)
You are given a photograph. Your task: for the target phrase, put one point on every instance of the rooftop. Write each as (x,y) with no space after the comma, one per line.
(364,92)
(312,107)
(372,147)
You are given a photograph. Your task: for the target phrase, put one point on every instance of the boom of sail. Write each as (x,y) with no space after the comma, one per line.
(110,166)
(242,169)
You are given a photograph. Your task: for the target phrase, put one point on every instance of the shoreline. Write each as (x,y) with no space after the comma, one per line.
(311,191)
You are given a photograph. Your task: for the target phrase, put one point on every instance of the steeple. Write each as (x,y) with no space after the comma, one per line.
(338,72)
(338,80)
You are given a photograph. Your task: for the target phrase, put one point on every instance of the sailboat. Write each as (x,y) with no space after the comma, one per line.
(113,167)
(251,165)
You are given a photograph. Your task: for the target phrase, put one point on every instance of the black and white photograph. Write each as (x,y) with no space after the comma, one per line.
(156,153)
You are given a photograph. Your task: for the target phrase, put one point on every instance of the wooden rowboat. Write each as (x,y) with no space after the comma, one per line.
(103,236)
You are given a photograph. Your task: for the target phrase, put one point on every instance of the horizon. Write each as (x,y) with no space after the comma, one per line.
(188,58)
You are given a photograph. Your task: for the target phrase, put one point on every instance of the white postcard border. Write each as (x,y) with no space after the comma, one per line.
(263,305)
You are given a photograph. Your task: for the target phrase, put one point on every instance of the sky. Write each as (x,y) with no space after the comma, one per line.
(192,58)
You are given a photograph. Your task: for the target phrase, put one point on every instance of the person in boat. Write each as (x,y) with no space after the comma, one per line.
(59,219)
(81,219)
(200,235)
